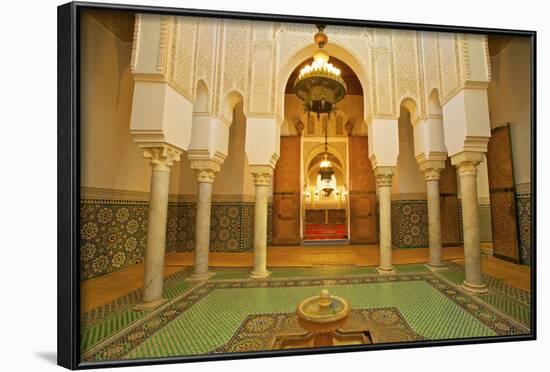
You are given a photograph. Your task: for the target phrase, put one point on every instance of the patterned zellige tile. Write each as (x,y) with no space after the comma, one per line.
(106,320)
(214,319)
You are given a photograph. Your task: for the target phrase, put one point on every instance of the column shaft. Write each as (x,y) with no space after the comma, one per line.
(434,222)
(156,235)
(384,193)
(383,180)
(470,221)
(202,230)
(161,160)
(206,170)
(260,232)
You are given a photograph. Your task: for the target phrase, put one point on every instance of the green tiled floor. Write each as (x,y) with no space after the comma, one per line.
(206,317)
(419,268)
(294,272)
(113,318)
(212,321)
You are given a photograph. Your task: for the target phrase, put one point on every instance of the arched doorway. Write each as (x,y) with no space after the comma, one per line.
(305,209)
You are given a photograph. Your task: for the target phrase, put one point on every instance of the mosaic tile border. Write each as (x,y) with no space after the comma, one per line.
(135,335)
(257,331)
(519,295)
(524,216)
(102,322)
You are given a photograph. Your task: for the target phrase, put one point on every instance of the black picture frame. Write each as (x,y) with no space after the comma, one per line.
(68,163)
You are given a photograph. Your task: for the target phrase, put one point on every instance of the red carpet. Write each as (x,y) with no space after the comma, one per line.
(315,231)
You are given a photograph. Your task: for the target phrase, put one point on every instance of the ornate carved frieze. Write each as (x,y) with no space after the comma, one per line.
(254,59)
(236,56)
(449,65)
(183,56)
(406,61)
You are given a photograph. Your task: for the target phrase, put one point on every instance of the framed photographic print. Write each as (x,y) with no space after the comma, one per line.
(251,185)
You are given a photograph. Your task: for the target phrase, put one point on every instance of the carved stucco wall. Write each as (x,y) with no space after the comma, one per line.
(256,58)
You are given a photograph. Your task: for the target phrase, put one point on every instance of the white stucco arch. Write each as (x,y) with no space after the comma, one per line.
(434,105)
(335,48)
(230,100)
(412,107)
(201,103)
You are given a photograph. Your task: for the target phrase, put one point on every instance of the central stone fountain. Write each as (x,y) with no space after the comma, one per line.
(322,315)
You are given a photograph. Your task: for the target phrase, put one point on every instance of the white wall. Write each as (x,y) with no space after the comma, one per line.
(509,101)
(408,179)
(109,158)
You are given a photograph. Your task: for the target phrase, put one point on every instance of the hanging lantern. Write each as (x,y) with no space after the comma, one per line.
(320,85)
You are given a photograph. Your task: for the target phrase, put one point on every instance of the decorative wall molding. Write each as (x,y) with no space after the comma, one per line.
(95,194)
(135,43)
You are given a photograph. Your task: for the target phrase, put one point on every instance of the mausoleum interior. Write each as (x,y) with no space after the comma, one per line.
(214,200)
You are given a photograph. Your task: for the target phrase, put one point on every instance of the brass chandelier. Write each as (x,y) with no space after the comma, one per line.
(325,168)
(320,85)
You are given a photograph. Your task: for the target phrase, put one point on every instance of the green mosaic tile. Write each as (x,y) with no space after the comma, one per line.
(412,268)
(231,273)
(91,335)
(452,276)
(496,285)
(510,307)
(205,318)
(204,326)
(101,323)
(297,272)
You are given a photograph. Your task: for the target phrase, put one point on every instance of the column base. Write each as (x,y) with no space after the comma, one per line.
(262,275)
(201,277)
(474,288)
(385,271)
(150,305)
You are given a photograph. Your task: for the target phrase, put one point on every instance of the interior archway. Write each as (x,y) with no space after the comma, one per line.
(320,202)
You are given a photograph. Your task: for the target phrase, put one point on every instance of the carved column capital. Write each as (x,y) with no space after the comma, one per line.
(205,169)
(162,157)
(466,162)
(467,168)
(383,176)
(432,174)
(261,174)
(262,179)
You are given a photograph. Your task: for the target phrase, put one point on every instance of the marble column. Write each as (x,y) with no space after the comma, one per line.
(383,180)
(262,176)
(432,176)
(206,172)
(467,163)
(161,160)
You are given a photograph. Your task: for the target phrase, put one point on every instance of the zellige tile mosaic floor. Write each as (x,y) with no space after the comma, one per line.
(208,317)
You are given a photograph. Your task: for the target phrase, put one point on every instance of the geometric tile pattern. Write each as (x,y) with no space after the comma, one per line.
(207,317)
(409,223)
(523,297)
(523,206)
(512,301)
(104,321)
(113,233)
(231,227)
(112,236)
(258,331)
